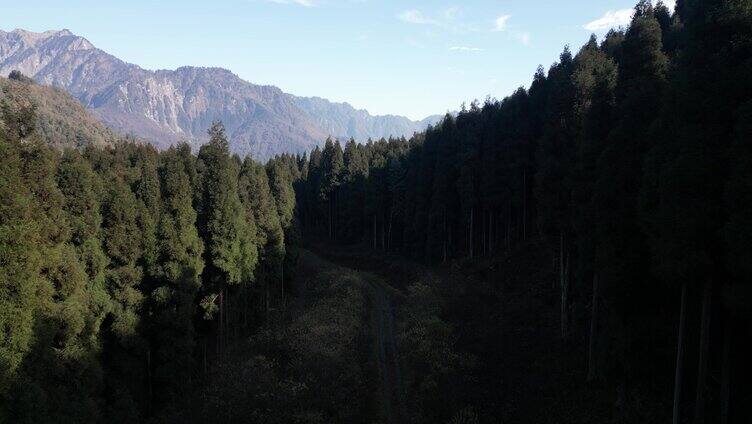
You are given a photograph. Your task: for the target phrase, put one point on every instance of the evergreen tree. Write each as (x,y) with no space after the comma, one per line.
(125,349)
(227,230)
(332,165)
(177,279)
(595,81)
(19,266)
(621,244)
(355,174)
(259,202)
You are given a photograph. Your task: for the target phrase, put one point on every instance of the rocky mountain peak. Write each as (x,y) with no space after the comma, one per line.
(168,106)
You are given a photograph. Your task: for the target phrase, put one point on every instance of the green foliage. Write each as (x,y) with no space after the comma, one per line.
(19,265)
(227,230)
(123,268)
(628,159)
(308,371)
(176,279)
(429,356)
(257,198)
(103,261)
(58,118)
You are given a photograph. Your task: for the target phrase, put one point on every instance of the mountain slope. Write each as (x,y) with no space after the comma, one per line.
(61,120)
(167,106)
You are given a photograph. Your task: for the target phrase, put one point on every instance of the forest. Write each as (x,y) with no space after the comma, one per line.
(578,251)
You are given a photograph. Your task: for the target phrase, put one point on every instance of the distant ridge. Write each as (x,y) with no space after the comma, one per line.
(167,106)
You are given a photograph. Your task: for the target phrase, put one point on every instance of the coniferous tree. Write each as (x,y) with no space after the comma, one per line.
(594,77)
(259,202)
(227,230)
(332,164)
(621,245)
(281,185)
(355,174)
(125,349)
(554,177)
(176,282)
(19,267)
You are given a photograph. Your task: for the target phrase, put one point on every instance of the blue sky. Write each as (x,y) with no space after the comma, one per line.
(410,57)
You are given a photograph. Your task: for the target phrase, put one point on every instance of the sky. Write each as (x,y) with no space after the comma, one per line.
(410,57)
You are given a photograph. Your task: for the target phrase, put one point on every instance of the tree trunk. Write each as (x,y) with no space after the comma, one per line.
(726,372)
(565,299)
(471,232)
(374,231)
(383,237)
(524,204)
(444,248)
(561,259)
(282,284)
(702,366)
(679,374)
(389,233)
(148,376)
(331,217)
(221,313)
(509,224)
(487,235)
(228,318)
(489,251)
(484,240)
(554,258)
(449,240)
(592,365)
(245,312)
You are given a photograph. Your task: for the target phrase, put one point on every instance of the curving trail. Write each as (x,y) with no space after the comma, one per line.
(382,317)
(391,393)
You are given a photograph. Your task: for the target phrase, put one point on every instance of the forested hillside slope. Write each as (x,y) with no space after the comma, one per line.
(630,160)
(126,272)
(60,119)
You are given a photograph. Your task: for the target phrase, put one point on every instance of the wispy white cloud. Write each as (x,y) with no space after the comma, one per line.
(416,17)
(523,37)
(306,3)
(310,3)
(447,19)
(500,24)
(465,49)
(612,19)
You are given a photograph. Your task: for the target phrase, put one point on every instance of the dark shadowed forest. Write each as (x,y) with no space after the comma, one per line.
(577,252)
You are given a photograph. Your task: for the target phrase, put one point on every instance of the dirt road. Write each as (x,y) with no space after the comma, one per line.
(382,328)
(382,317)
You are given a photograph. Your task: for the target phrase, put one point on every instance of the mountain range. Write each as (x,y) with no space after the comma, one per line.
(168,106)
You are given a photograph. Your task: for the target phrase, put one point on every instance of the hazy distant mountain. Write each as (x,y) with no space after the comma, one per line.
(343,120)
(167,106)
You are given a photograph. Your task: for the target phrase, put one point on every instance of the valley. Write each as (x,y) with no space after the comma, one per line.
(183,246)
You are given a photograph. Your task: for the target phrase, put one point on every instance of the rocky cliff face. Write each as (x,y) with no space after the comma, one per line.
(168,106)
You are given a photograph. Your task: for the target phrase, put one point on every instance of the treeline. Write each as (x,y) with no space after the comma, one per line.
(126,272)
(631,159)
